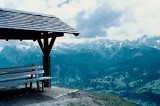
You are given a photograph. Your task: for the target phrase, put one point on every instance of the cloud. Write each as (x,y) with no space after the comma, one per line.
(121,20)
(138,18)
(95,24)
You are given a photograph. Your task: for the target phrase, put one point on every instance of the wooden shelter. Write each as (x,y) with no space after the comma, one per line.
(21,25)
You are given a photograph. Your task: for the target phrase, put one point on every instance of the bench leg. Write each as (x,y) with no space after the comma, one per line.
(25,85)
(30,85)
(38,85)
(42,86)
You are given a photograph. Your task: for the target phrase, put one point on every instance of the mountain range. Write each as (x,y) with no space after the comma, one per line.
(129,69)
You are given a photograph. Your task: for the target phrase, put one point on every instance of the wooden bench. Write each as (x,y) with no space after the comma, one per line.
(22,75)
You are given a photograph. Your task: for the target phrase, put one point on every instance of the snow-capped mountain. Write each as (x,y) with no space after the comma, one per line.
(130,69)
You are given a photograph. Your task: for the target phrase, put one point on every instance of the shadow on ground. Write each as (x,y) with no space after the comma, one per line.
(21,97)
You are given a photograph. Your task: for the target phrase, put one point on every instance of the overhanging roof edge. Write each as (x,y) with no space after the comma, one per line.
(27,12)
(67,29)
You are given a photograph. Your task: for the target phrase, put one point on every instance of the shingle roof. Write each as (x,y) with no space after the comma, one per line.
(14,19)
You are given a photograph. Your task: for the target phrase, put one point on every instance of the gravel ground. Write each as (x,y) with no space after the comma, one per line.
(57,96)
(27,97)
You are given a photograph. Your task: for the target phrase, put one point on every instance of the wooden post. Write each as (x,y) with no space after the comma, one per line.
(46,63)
(46,47)
(47,69)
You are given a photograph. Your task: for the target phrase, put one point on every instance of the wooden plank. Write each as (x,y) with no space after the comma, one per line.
(25,68)
(15,78)
(24,81)
(19,75)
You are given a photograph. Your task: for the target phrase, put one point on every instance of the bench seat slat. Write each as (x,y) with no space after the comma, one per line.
(19,68)
(24,81)
(6,77)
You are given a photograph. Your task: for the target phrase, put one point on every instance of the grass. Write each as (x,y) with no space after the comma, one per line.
(109,99)
(99,99)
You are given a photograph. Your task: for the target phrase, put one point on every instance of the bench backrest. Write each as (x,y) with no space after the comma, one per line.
(25,68)
(14,73)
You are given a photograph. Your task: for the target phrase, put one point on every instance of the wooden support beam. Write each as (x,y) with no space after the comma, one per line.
(51,44)
(55,34)
(41,45)
(19,34)
(46,46)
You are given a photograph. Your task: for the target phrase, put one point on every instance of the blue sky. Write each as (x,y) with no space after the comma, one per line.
(111,19)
